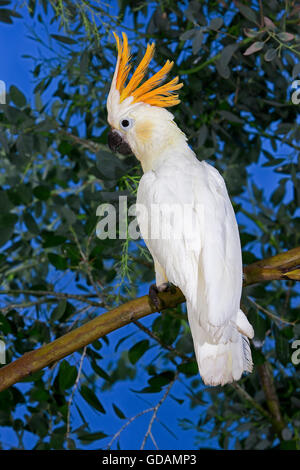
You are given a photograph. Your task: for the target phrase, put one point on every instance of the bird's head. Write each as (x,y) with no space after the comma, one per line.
(139,122)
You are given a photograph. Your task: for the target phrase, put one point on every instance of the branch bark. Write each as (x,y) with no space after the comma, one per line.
(267,382)
(76,339)
(283,266)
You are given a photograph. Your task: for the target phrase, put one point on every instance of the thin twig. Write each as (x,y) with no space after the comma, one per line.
(155,411)
(153,440)
(79,314)
(74,390)
(86,263)
(251,400)
(24,305)
(270,314)
(88,144)
(261,14)
(129,421)
(60,295)
(156,338)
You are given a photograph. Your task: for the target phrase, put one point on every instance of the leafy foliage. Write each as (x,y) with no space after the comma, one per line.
(238,63)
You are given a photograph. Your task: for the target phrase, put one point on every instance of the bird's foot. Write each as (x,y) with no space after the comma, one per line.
(154,290)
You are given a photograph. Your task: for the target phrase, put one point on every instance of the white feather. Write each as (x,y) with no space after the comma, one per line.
(208,267)
(204,260)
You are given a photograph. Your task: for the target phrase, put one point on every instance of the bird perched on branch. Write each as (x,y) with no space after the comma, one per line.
(199,251)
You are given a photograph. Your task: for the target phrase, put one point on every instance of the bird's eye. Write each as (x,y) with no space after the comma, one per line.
(126,123)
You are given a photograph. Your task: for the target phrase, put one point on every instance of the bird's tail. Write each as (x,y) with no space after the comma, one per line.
(226,361)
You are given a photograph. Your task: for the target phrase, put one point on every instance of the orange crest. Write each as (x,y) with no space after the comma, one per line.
(150,91)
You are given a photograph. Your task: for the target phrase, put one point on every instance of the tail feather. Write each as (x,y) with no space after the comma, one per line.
(243,325)
(226,361)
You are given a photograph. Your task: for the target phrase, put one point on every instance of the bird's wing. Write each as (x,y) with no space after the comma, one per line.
(220,262)
(204,259)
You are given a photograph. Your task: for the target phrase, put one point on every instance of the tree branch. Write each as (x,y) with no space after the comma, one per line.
(84,298)
(76,339)
(282,266)
(155,411)
(272,400)
(244,394)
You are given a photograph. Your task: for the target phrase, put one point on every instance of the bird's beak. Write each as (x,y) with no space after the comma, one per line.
(117,143)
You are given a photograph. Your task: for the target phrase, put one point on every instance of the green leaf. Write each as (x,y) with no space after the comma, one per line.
(255,47)
(17,96)
(5,326)
(278,194)
(52,239)
(289,445)
(42,192)
(87,437)
(58,311)
(167,328)
(137,351)
(65,147)
(284,36)
(282,347)
(58,261)
(223,62)
(231,117)
(247,12)
(248,257)
(251,33)
(189,368)
(296,70)
(269,23)
(118,412)
(270,55)
(216,23)
(109,165)
(63,39)
(197,41)
(90,397)
(121,340)
(31,224)
(5,14)
(258,357)
(67,375)
(162,379)
(7,225)
(247,238)
(260,324)
(188,35)
(101,372)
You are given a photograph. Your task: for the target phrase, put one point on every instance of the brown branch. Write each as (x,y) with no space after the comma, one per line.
(88,144)
(244,394)
(76,339)
(284,266)
(267,382)
(84,298)
(278,267)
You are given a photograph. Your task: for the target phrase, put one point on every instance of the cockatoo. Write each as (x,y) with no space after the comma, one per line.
(205,262)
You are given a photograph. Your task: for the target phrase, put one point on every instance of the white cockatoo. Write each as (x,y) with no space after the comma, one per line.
(200,254)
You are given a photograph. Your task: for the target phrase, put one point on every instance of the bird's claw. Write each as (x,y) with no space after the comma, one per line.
(154,291)
(153,294)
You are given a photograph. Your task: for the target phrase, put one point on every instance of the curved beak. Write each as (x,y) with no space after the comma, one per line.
(117,143)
